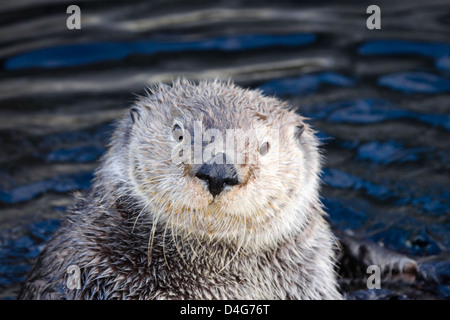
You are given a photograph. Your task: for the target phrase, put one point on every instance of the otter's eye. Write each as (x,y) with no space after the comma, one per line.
(177,133)
(299,130)
(264,148)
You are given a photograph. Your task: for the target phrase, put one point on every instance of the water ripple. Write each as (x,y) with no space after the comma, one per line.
(88,53)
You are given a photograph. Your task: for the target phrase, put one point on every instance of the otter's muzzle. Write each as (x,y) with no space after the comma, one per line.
(217,176)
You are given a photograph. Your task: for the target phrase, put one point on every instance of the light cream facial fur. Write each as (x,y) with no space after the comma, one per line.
(275,190)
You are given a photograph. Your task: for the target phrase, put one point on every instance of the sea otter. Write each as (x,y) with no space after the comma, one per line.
(207,191)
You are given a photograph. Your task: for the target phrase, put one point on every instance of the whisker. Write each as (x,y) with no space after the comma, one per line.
(164,247)
(235,254)
(152,236)
(137,218)
(174,235)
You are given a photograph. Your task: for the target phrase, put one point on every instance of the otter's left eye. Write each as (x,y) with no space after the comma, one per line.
(177,133)
(264,148)
(298,131)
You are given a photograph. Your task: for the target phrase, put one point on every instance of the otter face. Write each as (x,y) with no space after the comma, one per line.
(216,160)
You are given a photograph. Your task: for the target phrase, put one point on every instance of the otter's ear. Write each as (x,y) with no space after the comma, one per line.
(135,114)
(298,131)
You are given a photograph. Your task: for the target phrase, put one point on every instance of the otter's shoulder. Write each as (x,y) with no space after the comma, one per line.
(82,246)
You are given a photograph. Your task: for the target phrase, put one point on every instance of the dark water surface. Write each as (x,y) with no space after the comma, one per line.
(379,98)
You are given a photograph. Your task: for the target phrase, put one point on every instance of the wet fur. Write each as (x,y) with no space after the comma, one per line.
(148,229)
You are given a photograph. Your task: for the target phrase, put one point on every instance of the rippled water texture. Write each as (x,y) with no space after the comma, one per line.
(379,99)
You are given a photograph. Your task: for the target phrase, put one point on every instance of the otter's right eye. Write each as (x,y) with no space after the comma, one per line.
(177,133)
(299,130)
(264,149)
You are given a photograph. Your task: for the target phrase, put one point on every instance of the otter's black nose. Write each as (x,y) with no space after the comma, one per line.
(217,176)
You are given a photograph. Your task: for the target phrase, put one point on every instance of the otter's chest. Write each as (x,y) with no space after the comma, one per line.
(251,279)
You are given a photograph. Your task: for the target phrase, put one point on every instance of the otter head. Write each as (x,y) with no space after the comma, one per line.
(219,161)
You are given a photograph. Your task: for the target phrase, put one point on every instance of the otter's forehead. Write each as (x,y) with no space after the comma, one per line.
(218,105)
